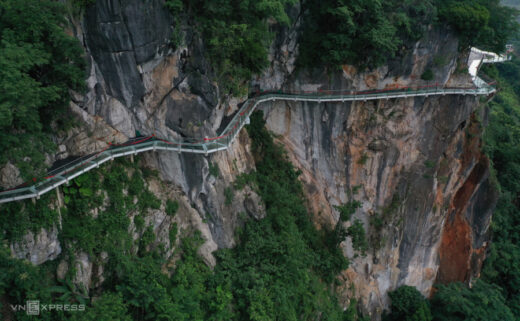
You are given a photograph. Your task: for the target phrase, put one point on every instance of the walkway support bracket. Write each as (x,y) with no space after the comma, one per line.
(205,147)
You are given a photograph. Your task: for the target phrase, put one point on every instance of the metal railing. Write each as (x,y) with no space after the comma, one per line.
(206,146)
(497,59)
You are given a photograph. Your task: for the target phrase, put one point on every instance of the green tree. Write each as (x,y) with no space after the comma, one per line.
(172,207)
(482,301)
(236,35)
(108,307)
(39,64)
(359,240)
(346,210)
(408,304)
(358,32)
(483,23)
(502,145)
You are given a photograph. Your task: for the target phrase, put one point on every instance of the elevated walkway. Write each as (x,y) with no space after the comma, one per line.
(222,142)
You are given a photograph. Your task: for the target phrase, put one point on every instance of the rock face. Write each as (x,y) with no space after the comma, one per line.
(413,167)
(140,81)
(414,164)
(38,248)
(122,35)
(10,176)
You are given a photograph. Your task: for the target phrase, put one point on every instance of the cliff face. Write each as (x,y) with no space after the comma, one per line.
(140,82)
(416,171)
(414,164)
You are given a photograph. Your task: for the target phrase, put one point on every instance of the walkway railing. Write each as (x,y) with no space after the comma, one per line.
(206,146)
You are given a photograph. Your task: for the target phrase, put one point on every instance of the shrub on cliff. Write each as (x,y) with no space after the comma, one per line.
(408,304)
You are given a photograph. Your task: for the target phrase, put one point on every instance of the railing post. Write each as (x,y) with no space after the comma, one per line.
(63,178)
(34,191)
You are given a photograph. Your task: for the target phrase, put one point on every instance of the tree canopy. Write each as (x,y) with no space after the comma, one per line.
(408,304)
(368,33)
(363,33)
(502,145)
(39,63)
(458,302)
(236,34)
(482,23)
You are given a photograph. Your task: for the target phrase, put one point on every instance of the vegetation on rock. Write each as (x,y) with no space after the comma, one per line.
(281,269)
(236,35)
(39,63)
(408,304)
(482,23)
(502,144)
(369,33)
(362,33)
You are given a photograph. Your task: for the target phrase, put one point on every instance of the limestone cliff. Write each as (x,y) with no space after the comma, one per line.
(414,164)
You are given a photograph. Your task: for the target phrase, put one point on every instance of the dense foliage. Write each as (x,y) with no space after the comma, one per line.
(368,33)
(502,144)
(363,33)
(408,304)
(39,63)
(336,32)
(457,302)
(452,302)
(111,187)
(236,34)
(482,23)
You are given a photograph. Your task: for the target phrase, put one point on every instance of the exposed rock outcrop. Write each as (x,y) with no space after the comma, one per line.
(38,248)
(10,176)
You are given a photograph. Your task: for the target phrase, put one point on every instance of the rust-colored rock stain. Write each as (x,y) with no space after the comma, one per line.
(455,252)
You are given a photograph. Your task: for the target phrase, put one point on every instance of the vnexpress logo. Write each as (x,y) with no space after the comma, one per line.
(33,307)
